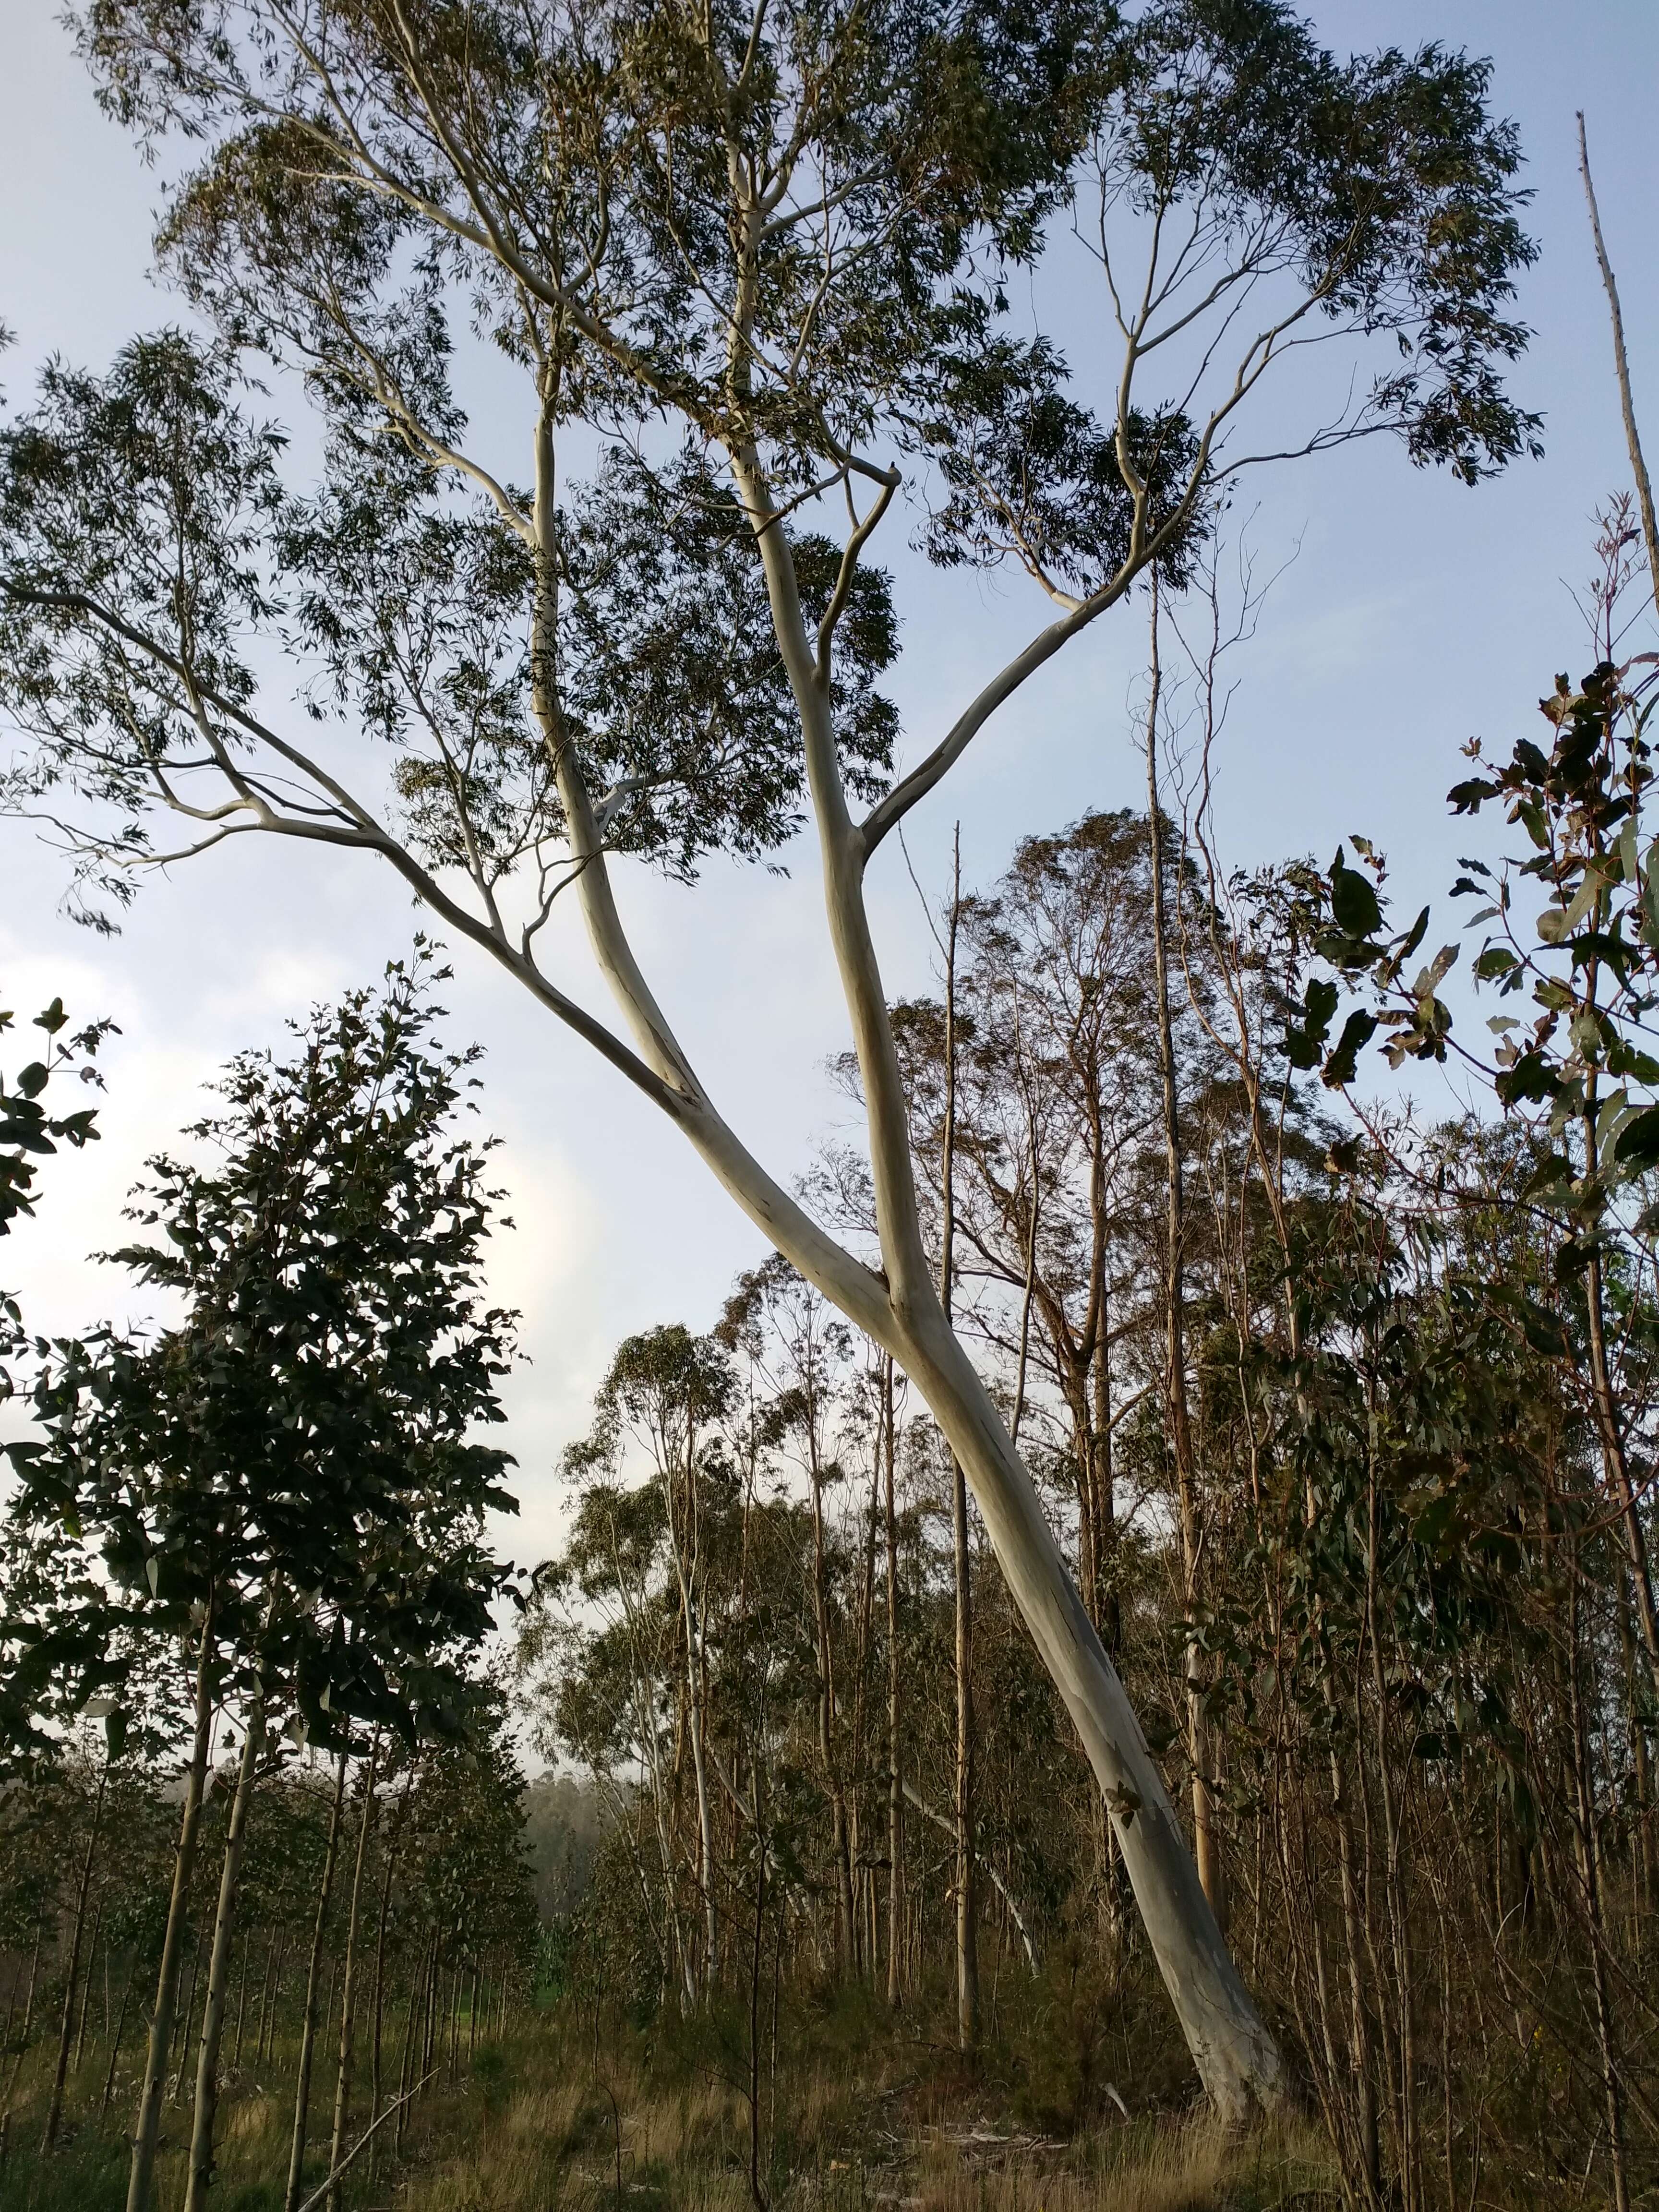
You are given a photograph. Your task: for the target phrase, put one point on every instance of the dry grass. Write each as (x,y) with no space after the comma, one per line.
(870,2117)
(849,2143)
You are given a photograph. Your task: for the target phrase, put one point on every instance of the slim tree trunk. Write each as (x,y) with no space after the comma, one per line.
(86,1986)
(1644,1873)
(241,2001)
(66,2032)
(176,2068)
(393,1842)
(966,1880)
(28,2016)
(218,1985)
(1584,1838)
(417,1983)
(687,1554)
(1621,370)
(347,1994)
(895,1741)
(268,1990)
(1611,1428)
(967,1916)
(864,1874)
(1206,1840)
(115,2040)
(840,1851)
(1361,2053)
(141,2176)
(11,2007)
(296,2157)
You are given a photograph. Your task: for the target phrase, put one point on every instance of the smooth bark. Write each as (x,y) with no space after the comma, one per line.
(687,1553)
(895,1741)
(218,1987)
(115,2038)
(141,2176)
(296,2158)
(960,1558)
(1206,1841)
(1621,369)
(72,1980)
(347,1994)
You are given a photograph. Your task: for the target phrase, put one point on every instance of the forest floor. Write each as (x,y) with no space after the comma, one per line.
(859,2113)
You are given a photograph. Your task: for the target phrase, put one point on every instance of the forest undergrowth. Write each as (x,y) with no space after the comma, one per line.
(592,2112)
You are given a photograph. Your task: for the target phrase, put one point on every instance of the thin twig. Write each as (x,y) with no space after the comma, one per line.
(1621,365)
(317,2194)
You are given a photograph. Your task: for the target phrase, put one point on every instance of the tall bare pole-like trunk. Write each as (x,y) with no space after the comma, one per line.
(115,2037)
(23,2040)
(864,1873)
(967,1916)
(86,1986)
(1613,1455)
(142,2172)
(378,1999)
(213,2011)
(1206,1841)
(348,1981)
(1588,1852)
(839,1841)
(686,1545)
(297,2156)
(1644,1873)
(66,2032)
(895,1741)
(1621,369)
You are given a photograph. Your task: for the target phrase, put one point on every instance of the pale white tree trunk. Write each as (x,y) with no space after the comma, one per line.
(1236,2057)
(899,1308)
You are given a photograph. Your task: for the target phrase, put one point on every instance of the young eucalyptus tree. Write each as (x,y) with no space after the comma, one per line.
(668,1390)
(289,1479)
(761,257)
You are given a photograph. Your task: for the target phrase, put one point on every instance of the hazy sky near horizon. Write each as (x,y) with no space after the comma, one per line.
(1414,614)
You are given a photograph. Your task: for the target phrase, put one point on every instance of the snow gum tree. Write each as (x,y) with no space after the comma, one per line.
(759,259)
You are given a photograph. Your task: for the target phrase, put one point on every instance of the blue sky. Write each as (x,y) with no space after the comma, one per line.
(1415,614)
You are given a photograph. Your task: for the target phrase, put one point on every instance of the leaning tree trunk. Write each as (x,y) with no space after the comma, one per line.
(1236,2057)
(898,1307)
(297,2156)
(141,2176)
(218,1988)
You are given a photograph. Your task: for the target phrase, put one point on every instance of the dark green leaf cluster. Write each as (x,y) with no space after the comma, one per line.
(1029,473)
(294,1469)
(30,1131)
(1380,186)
